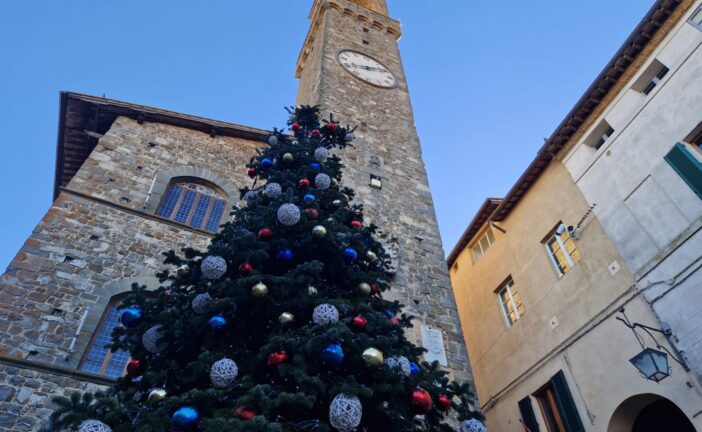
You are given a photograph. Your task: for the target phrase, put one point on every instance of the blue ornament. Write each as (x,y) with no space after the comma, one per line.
(285,255)
(131,316)
(266,163)
(217,322)
(316,166)
(350,254)
(389,313)
(310,198)
(366,240)
(332,356)
(186,418)
(414,369)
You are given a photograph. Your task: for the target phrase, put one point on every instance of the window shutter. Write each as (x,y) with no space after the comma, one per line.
(687,167)
(566,404)
(528,416)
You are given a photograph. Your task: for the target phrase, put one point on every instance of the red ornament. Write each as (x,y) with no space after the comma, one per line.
(251,172)
(168,292)
(421,401)
(443,403)
(331,127)
(304,183)
(245,413)
(134,367)
(312,213)
(315,133)
(356,224)
(245,268)
(375,290)
(394,321)
(265,234)
(295,127)
(359,323)
(276,358)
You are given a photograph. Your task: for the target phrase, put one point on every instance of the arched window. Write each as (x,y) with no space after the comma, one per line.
(193,202)
(99,359)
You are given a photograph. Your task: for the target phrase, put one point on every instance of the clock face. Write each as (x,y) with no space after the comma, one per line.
(367,69)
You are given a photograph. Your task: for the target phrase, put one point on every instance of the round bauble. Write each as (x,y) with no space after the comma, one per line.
(350,254)
(251,172)
(272,140)
(371,256)
(312,213)
(325,314)
(186,418)
(443,403)
(286,255)
(150,339)
(321,154)
(394,321)
(245,269)
(265,234)
(245,413)
(345,412)
(399,364)
(421,401)
(273,190)
(332,356)
(372,357)
(223,373)
(288,214)
(259,290)
(266,163)
(131,316)
(286,318)
(319,231)
(134,367)
(309,198)
(322,181)
(201,303)
(288,157)
(93,426)
(349,137)
(217,322)
(356,224)
(375,290)
(304,183)
(213,267)
(312,291)
(331,127)
(473,425)
(359,323)
(276,358)
(156,396)
(315,166)
(315,133)
(295,127)
(364,288)
(336,203)
(249,198)
(414,369)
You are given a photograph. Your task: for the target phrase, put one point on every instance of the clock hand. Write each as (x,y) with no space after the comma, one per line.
(369,68)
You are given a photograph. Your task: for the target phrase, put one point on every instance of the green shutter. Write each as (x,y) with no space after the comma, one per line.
(528,416)
(566,404)
(687,167)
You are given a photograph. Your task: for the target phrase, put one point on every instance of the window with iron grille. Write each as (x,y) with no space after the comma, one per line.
(99,359)
(193,202)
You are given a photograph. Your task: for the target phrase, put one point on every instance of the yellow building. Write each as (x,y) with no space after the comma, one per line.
(539,286)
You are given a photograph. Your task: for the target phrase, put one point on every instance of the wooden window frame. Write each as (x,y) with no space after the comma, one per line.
(217,195)
(486,233)
(568,255)
(508,287)
(547,394)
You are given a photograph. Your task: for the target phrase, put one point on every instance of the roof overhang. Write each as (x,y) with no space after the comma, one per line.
(486,210)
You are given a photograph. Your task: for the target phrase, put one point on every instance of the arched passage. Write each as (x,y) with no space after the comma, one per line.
(648,413)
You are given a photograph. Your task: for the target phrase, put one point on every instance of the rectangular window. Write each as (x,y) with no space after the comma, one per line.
(557,406)
(511,302)
(562,250)
(696,19)
(651,77)
(600,135)
(482,244)
(687,165)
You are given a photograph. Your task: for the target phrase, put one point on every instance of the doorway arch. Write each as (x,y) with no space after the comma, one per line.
(649,412)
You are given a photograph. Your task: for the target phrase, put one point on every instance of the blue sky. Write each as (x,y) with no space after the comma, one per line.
(489,80)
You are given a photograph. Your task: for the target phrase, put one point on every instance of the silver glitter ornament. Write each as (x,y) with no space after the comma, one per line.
(273,190)
(371,256)
(156,395)
(201,303)
(288,157)
(325,314)
(399,364)
(319,231)
(349,137)
(322,181)
(93,426)
(288,214)
(321,154)
(213,267)
(312,291)
(473,425)
(286,318)
(223,373)
(345,412)
(272,140)
(150,339)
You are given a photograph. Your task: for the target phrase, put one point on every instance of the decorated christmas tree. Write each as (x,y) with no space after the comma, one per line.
(280,325)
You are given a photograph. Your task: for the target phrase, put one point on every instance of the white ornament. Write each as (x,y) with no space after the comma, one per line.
(93,426)
(321,154)
(201,303)
(248,198)
(345,412)
(349,137)
(322,181)
(273,190)
(325,314)
(150,339)
(399,364)
(473,425)
(288,214)
(223,373)
(312,290)
(213,267)
(272,140)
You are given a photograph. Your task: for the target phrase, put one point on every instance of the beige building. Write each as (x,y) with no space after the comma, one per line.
(539,286)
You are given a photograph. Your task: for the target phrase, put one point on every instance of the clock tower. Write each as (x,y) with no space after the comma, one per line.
(350,65)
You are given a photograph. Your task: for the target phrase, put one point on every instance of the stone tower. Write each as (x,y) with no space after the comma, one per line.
(350,65)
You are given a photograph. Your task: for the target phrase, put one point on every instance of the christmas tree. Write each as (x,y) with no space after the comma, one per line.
(281,324)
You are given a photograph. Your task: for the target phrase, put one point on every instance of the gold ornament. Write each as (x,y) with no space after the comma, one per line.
(319,231)
(288,157)
(372,257)
(312,290)
(373,357)
(286,318)
(259,290)
(157,395)
(364,288)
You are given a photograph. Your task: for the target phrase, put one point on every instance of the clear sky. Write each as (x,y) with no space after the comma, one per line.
(489,80)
